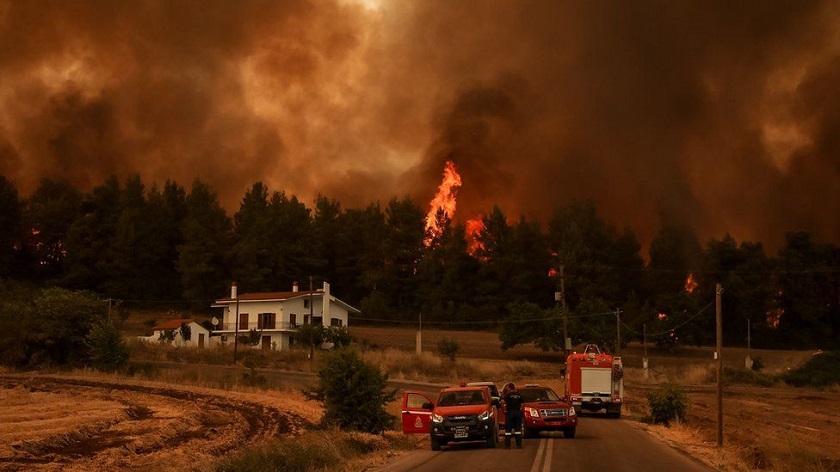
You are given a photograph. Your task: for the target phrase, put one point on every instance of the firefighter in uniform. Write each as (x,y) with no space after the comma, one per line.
(513,415)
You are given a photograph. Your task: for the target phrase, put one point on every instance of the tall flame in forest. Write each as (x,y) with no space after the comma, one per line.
(690,284)
(473,230)
(444,200)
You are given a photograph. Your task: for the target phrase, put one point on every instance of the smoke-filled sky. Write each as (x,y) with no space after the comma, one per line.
(722,115)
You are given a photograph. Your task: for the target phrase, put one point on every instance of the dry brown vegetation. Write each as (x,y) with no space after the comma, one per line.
(200,409)
(777,428)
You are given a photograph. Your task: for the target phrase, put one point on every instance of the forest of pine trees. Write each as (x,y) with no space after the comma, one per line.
(174,247)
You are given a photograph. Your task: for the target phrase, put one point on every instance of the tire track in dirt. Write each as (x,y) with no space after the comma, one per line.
(153,426)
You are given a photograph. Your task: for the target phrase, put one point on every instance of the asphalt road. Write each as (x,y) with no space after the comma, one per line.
(600,444)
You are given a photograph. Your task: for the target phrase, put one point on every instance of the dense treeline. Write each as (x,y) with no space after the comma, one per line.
(170,245)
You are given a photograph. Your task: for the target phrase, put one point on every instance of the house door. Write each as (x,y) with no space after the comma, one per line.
(266,343)
(416,413)
(201,340)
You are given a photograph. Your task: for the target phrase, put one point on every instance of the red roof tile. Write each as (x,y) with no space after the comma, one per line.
(172,324)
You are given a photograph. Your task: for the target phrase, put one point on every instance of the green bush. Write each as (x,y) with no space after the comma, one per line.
(48,328)
(353,393)
(667,404)
(106,349)
(821,370)
(448,348)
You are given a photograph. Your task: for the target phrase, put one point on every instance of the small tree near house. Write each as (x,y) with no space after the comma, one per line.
(166,336)
(186,332)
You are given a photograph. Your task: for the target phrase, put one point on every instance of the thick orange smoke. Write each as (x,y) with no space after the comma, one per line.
(691,113)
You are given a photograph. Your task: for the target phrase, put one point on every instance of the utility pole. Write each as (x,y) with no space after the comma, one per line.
(566,344)
(236,326)
(419,340)
(748,361)
(644,346)
(719,364)
(617,332)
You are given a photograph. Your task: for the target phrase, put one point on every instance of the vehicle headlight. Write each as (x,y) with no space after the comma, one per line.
(572,411)
(486,415)
(436,418)
(532,411)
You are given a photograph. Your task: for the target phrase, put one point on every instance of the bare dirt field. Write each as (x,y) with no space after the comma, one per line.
(82,423)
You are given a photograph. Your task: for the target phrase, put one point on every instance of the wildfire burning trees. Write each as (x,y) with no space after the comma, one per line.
(443,205)
(690,284)
(442,209)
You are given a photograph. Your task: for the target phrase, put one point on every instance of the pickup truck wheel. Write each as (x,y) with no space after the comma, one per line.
(569,433)
(435,444)
(491,440)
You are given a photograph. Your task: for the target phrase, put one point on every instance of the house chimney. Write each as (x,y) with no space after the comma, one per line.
(294,286)
(325,306)
(233,293)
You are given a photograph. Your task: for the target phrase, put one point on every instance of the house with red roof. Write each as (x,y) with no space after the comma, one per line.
(276,316)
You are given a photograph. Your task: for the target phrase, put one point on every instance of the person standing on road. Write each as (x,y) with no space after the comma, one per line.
(513,415)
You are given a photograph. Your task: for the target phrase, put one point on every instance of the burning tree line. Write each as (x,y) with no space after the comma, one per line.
(172,247)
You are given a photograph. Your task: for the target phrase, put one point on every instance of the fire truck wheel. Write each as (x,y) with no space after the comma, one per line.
(435,445)
(569,433)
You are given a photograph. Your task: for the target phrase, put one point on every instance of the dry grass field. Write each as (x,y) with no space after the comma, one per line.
(778,428)
(191,420)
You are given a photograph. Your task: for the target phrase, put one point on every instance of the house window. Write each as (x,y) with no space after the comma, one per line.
(318,320)
(335,322)
(306,303)
(266,320)
(243,321)
(292,320)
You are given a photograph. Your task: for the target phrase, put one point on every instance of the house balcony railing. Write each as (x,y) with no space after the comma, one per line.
(276,326)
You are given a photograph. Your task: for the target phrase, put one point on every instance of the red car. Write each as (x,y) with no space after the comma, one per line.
(546,411)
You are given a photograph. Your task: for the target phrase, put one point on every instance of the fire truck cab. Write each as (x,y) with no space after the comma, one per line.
(595,381)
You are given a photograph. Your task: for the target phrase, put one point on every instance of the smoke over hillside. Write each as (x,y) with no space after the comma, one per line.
(719,115)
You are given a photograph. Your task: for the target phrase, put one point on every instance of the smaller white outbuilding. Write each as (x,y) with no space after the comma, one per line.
(198,335)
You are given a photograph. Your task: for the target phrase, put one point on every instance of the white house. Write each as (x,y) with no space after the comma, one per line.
(199,335)
(277,315)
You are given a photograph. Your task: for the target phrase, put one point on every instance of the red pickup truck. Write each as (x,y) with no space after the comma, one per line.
(464,413)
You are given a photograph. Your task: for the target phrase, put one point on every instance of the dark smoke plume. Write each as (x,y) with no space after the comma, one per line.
(718,115)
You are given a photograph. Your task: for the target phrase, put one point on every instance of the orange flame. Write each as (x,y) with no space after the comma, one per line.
(690,284)
(445,200)
(474,228)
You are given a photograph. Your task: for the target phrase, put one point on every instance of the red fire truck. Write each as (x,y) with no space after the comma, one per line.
(595,381)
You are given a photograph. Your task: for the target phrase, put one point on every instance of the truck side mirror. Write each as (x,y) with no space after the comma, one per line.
(428,406)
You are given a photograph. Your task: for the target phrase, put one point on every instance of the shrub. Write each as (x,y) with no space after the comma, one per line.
(821,370)
(448,348)
(667,404)
(186,332)
(166,336)
(353,393)
(49,329)
(106,349)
